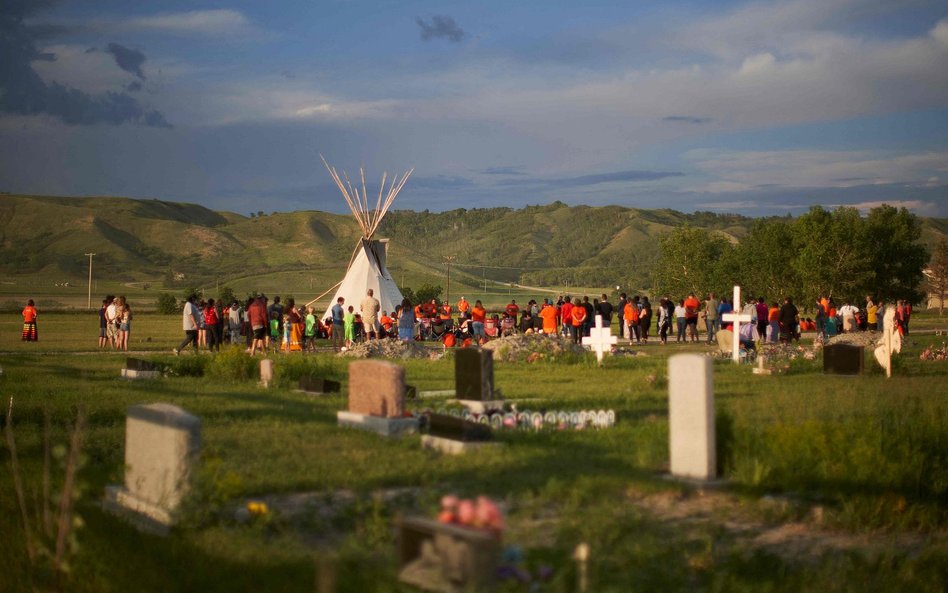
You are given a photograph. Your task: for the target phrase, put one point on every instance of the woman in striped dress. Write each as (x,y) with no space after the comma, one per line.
(29,322)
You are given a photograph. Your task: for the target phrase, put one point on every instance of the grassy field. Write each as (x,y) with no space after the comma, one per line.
(832,483)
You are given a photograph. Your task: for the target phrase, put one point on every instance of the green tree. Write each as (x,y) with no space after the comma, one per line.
(938,274)
(426,292)
(829,254)
(764,260)
(227,295)
(690,262)
(896,257)
(166,304)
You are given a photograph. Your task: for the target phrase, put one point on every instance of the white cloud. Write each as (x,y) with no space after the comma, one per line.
(737,171)
(195,22)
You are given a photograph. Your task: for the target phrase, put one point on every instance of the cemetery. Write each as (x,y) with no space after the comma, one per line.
(468,470)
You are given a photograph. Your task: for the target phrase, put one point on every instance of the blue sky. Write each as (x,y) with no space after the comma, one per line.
(751,107)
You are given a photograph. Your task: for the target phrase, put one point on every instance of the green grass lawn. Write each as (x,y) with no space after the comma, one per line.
(832,483)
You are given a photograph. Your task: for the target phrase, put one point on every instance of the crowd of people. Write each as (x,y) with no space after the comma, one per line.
(261,325)
(115,322)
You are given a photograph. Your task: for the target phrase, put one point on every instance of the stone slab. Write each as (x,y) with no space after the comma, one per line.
(691,417)
(139,364)
(376,388)
(447,558)
(480,407)
(451,427)
(137,374)
(437,393)
(318,385)
(454,447)
(145,515)
(386,427)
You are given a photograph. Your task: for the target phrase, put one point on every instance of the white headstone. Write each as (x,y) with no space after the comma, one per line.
(691,416)
(266,371)
(737,318)
(600,339)
(162,442)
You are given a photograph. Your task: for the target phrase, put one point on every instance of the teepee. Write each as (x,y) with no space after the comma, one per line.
(367,265)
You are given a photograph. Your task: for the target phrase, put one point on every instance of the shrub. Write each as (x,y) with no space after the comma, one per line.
(232,364)
(166,304)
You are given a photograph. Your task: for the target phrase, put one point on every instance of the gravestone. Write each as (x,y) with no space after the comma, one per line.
(454,435)
(446,558)
(843,359)
(377,399)
(162,443)
(266,371)
(600,339)
(691,417)
(318,385)
(474,380)
(136,368)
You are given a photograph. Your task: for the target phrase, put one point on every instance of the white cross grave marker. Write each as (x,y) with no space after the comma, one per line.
(600,339)
(737,317)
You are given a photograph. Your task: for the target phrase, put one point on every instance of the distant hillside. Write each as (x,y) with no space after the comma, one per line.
(553,244)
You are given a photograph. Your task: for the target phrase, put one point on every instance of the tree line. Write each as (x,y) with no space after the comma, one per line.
(836,253)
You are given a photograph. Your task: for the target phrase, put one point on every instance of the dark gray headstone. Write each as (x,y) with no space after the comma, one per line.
(319,385)
(457,429)
(137,364)
(474,374)
(843,359)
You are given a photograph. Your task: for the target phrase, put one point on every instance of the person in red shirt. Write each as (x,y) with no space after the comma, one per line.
(691,316)
(512,310)
(566,316)
(631,317)
(30,333)
(578,313)
(210,321)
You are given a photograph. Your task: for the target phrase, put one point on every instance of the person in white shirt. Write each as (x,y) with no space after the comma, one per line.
(189,322)
(848,313)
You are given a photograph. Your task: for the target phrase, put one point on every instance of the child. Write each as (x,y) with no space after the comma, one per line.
(287,329)
(348,323)
(274,329)
(309,333)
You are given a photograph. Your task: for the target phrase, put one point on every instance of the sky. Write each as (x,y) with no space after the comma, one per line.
(756,108)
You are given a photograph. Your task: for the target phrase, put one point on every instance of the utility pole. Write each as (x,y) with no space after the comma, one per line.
(449,259)
(89,305)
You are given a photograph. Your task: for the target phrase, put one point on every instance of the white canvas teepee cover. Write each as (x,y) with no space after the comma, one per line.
(366,271)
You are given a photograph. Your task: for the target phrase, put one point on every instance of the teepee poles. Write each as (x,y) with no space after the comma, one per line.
(358,202)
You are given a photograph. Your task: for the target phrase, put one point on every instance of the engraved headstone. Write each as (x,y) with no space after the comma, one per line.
(162,443)
(474,374)
(377,399)
(843,359)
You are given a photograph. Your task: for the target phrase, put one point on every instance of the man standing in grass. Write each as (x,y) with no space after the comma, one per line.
(257,318)
(338,323)
(370,310)
(189,321)
(711,316)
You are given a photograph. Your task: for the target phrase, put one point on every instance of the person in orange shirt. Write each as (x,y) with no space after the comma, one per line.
(631,317)
(478,316)
(464,306)
(386,322)
(29,322)
(578,313)
(691,316)
(445,313)
(548,314)
(773,317)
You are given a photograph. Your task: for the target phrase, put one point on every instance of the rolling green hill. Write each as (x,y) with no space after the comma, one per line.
(138,241)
